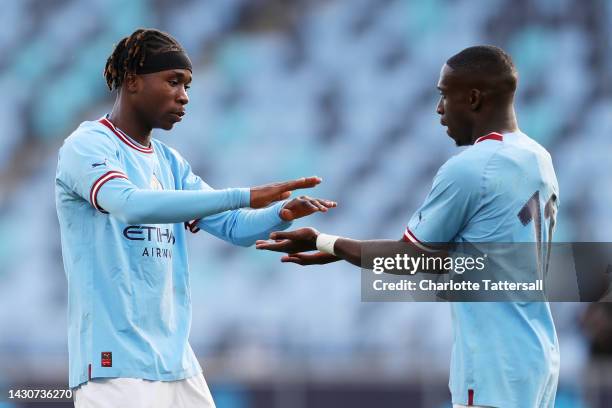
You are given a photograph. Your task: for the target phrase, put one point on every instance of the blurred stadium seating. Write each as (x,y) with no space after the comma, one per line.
(342,89)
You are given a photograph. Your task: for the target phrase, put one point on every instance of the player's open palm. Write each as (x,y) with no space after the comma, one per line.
(310,258)
(262,196)
(291,242)
(303,206)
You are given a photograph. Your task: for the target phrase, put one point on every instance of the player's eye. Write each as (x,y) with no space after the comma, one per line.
(173,82)
(187,87)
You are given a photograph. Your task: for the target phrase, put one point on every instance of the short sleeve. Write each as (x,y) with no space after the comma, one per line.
(450,204)
(88,160)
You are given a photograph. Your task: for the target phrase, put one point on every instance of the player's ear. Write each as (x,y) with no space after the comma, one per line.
(131,82)
(475,99)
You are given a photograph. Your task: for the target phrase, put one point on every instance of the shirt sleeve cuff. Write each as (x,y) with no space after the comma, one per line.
(410,237)
(271,216)
(279,207)
(244,197)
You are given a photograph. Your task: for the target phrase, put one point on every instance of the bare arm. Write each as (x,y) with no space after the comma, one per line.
(360,253)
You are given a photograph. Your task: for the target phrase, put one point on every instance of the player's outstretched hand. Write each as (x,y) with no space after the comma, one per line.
(312,258)
(303,206)
(291,242)
(262,196)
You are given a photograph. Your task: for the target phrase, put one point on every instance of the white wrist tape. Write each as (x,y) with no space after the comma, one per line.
(325,243)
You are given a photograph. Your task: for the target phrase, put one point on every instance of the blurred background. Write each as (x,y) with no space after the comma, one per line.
(342,89)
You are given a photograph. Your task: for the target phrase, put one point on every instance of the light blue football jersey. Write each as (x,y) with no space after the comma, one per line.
(505,354)
(129,307)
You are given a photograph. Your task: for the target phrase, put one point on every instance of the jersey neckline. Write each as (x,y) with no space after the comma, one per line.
(125,138)
(491,136)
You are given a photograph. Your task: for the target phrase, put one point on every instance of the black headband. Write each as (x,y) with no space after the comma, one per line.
(165,61)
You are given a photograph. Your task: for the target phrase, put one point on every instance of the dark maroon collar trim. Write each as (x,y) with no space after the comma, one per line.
(125,138)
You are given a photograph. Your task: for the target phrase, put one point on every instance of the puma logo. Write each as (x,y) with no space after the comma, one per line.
(104,163)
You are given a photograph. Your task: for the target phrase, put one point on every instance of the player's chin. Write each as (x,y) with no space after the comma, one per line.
(168,124)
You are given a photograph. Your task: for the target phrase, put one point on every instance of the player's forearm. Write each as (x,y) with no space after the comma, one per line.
(135,206)
(363,253)
(245,226)
(353,251)
(349,250)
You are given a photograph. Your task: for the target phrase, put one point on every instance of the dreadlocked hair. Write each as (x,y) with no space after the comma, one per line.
(130,53)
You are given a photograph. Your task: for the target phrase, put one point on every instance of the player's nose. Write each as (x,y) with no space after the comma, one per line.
(440,107)
(182,97)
